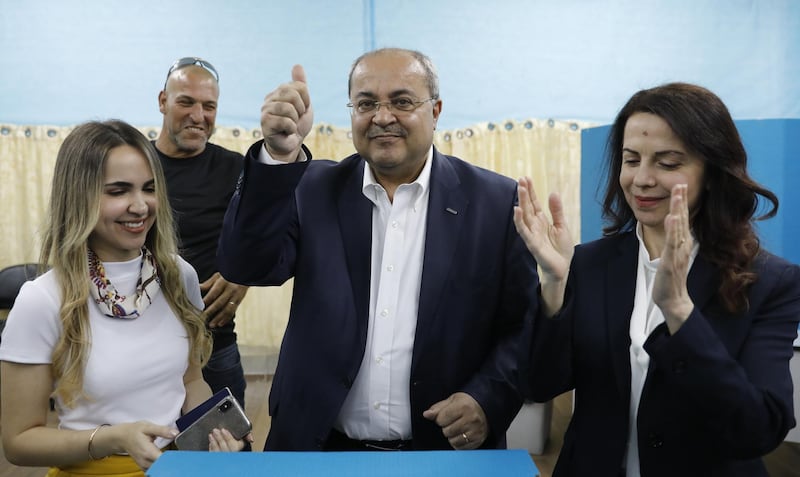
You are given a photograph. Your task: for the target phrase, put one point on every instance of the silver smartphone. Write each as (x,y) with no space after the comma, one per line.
(224,414)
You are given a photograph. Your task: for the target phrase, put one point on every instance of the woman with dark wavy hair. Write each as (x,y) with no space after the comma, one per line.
(675,329)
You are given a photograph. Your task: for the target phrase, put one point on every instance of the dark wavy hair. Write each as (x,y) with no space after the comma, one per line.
(729,202)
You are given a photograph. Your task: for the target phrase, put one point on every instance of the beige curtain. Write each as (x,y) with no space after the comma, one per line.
(546,150)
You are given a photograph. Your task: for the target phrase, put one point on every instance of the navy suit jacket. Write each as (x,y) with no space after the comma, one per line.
(311,221)
(718,393)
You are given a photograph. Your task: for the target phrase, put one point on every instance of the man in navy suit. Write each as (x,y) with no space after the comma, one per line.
(410,281)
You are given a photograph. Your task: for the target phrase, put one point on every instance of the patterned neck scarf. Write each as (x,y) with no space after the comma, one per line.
(107,297)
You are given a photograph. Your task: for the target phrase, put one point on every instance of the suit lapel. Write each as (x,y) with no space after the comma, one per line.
(447,211)
(621,289)
(620,283)
(355,219)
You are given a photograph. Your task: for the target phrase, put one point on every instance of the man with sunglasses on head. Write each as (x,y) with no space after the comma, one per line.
(201,178)
(410,281)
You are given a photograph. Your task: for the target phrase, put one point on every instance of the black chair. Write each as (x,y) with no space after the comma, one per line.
(11,280)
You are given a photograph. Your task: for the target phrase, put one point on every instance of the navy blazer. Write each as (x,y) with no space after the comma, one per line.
(311,221)
(718,394)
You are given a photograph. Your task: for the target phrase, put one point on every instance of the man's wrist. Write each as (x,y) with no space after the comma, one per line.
(265,157)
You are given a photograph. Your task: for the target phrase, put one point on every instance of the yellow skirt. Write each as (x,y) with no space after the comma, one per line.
(116,465)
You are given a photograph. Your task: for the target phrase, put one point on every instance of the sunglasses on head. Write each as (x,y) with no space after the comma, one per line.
(192,61)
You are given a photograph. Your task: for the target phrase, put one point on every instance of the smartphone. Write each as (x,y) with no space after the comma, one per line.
(193,415)
(225,413)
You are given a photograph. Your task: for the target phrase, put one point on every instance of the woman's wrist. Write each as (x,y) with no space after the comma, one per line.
(92,446)
(677,314)
(552,296)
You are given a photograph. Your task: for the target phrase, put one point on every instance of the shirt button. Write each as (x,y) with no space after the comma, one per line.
(656,440)
(394,224)
(379,360)
(377,405)
(385,312)
(390,268)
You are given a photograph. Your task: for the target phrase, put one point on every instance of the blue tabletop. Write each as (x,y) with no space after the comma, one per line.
(477,463)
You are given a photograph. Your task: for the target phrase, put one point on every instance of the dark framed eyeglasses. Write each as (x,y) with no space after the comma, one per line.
(192,61)
(398,105)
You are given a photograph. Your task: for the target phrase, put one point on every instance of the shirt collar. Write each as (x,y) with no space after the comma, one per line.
(370,186)
(653,264)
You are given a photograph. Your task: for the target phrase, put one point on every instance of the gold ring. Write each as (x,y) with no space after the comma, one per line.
(466,439)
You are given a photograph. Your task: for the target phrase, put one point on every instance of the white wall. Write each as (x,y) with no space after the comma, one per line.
(64,62)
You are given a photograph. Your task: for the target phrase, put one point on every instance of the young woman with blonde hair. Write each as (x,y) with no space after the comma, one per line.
(113,330)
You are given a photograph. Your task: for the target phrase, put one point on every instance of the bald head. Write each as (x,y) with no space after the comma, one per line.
(431,78)
(189,105)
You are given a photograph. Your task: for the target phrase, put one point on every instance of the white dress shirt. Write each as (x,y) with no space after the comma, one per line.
(646,316)
(378,406)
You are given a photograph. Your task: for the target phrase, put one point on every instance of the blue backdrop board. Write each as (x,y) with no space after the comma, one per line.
(773,152)
(479,463)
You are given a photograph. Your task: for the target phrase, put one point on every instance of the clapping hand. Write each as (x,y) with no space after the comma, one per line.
(669,288)
(549,243)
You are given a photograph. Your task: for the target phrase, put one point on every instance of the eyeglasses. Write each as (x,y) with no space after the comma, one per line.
(399,105)
(192,61)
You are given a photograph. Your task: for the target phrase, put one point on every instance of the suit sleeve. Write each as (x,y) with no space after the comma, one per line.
(745,395)
(546,362)
(496,387)
(260,230)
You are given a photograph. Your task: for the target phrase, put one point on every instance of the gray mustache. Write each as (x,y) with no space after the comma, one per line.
(394,130)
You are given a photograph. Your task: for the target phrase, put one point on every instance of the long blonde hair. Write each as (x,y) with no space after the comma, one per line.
(74,212)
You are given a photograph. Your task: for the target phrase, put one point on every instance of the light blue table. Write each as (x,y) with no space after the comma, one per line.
(478,463)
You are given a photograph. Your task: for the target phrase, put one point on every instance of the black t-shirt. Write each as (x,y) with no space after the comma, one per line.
(199,189)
